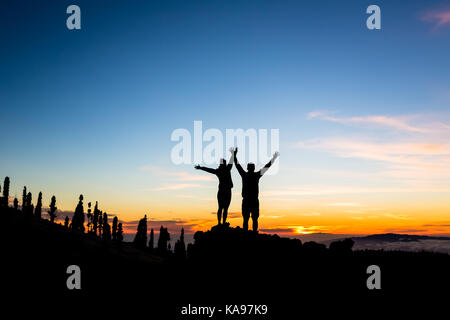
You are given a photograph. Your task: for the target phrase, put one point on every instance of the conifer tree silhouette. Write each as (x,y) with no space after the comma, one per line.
(164,238)
(24,200)
(100,223)
(89,217)
(114,229)
(180,247)
(78,216)
(16,204)
(38,210)
(53,208)
(120,232)
(5,198)
(140,240)
(95,218)
(29,205)
(151,242)
(106,228)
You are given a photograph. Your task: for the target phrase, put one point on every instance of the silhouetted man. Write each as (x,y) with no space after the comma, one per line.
(250,190)
(225,186)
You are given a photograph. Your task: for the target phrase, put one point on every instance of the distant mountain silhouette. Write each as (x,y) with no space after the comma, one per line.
(399,237)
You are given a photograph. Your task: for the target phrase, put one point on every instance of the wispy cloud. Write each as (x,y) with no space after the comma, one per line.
(178,186)
(344,204)
(395,152)
(397,123)
(181,176)
(177,180)
(320,190)
(439,18)
(409,148)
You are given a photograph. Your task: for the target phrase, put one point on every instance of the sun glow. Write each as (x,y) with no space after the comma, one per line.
(307,230)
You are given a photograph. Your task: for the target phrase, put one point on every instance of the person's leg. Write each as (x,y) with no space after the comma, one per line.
(255,215)
(245,214)
(219,215)
(226,204)
(219,203)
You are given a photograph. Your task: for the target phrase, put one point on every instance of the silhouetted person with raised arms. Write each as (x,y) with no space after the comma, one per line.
(225,186)
(250,189)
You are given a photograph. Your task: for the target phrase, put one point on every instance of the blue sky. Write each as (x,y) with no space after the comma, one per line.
(86,109)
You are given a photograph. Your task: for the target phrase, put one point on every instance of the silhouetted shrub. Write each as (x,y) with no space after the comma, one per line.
(312,247)
(16,204)
(52,211)
(180,247)
(140,240)
(342,246)
(164,238)
(119,233)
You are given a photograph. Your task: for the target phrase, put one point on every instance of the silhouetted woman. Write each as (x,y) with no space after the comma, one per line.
(225,186)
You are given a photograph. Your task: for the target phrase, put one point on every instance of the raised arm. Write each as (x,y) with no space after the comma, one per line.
(267,166)
(210,170)
(236,162)
(230,163)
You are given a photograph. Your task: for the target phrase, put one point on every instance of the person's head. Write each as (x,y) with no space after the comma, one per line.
(251,167)
(223,163)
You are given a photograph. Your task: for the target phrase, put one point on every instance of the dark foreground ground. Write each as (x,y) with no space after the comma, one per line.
(224,266)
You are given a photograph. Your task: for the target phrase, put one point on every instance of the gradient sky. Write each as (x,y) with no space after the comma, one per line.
(363,115)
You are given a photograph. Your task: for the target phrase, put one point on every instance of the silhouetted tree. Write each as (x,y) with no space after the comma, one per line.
(106,228)
(180,247)
(78,216)
(140,240)
(100,223)
(114,228)
(24,199)
(16,204)
(38,210)
(151,242)
(120,232)
(66,222)
(89,217)
(52,212)
(95,218)
(29,205)
(5,192)
(164,238)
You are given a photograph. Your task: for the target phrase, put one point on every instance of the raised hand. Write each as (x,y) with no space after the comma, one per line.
(276,155)
(197,167)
